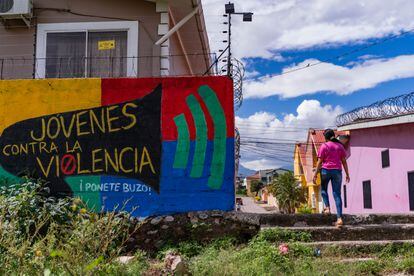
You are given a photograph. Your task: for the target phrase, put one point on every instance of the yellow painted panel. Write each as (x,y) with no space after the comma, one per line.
(26,99)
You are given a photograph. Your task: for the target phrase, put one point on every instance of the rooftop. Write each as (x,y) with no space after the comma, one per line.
(395,110)
(317,137)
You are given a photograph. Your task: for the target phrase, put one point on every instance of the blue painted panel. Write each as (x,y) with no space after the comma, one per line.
(178,191)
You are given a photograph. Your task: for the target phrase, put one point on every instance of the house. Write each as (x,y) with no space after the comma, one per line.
(381,157)
(265,195)
(305,160)
(248,181)
(299,166)
(265,177)
(96,39)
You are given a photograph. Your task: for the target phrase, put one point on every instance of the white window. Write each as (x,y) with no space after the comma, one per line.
(92,49)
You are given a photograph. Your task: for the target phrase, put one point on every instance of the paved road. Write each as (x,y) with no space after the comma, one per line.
(250,207)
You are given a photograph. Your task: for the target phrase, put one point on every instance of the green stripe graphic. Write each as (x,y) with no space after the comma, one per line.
(7,178)
(79,186)
(220,133)
(183,144)
(201,137)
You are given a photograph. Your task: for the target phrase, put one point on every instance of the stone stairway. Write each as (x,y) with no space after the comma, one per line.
(359,232)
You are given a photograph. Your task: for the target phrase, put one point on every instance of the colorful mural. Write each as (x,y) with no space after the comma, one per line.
(150,146)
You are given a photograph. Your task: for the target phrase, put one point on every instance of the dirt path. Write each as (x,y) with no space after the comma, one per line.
(250,207)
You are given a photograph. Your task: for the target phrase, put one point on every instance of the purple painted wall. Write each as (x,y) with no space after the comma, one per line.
(389,186)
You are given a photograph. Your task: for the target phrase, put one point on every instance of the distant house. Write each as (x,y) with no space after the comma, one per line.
(266,177)
(270,176)
(305,160)
(248,181)
(381,157)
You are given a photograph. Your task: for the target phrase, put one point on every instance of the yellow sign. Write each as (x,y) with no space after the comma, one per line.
(106,45)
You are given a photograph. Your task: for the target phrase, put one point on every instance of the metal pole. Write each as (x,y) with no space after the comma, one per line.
(1,69)
(229,53)
(215,62)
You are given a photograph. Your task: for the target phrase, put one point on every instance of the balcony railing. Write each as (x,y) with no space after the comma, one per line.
(23,67)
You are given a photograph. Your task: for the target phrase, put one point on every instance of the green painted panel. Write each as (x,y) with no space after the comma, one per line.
(7,178)
(201,137)
(91,198)
(183,143)
(220,133)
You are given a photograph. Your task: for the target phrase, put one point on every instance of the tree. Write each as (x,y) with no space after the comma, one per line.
(255,186)
(288,193)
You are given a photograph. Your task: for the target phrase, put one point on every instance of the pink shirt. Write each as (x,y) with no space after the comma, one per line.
(331,154)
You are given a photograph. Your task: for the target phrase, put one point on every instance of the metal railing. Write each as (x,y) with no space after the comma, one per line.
(119,67)
(24,67)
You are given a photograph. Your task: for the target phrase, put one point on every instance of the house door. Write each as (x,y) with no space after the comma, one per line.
(411,190)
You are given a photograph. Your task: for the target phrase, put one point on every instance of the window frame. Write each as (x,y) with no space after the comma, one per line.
(132,28)
(410,198)
(382,158)
(367,202)
(345,197)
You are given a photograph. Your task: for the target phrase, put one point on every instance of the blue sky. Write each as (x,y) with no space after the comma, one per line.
(403,45)
(293,33)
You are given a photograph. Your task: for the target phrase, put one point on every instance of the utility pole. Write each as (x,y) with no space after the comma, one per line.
(229,48)
(247,17)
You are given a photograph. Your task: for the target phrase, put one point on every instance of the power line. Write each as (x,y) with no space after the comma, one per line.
(370,45)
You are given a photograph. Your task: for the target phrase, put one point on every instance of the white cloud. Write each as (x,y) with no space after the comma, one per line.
(328,77)
(252,74)
(300,24)
(279,135)
(261,164)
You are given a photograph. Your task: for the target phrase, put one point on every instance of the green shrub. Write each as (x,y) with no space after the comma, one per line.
(277,235)
(254,259)
(189,248)
(304,209)
(241,191)
(39,233)
(300,250)
(223,243)
(371,267)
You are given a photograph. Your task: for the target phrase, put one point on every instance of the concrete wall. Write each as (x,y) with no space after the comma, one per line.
(272,201)
(389,186)
(121,142)
(19,42)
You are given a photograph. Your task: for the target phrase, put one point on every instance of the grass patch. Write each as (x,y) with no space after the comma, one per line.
(277,235)
(41,235)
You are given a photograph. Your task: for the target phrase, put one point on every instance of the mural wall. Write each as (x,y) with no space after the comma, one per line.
(152,146)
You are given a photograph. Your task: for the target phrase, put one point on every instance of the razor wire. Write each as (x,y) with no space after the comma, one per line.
(391,107)
(237,72)
(237,150)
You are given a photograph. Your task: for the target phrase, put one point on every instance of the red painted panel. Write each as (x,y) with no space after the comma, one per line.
(175,92)
(122,90)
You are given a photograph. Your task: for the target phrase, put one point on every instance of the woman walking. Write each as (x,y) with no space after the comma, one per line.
(331,158)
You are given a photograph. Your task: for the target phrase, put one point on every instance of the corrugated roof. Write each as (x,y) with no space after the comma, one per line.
(302,152)
(317,138)
(254,176)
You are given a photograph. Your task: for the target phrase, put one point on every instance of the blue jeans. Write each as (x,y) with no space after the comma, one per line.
(335,176)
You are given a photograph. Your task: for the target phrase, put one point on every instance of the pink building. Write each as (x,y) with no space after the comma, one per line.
(381,164)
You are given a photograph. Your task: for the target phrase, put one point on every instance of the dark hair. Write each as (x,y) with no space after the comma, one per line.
(330,135)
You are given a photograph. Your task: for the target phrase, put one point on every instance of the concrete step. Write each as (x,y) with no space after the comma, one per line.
(323,244)
(356,248)
(291,220)
(363,232)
